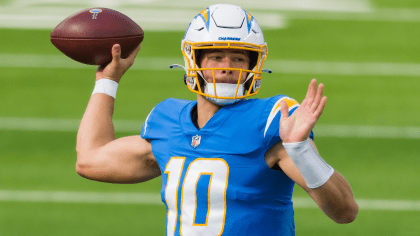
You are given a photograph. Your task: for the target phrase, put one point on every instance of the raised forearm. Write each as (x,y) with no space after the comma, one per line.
(328,188)
(335,198)
(96,128)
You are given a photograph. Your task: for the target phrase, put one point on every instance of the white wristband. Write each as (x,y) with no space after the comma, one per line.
(106,86)
(314,169)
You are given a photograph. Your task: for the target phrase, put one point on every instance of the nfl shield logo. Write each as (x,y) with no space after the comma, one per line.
(195,141)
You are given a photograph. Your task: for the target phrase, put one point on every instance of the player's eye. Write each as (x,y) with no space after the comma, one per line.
(216,58)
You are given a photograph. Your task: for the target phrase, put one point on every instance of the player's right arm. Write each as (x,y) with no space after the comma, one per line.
(100,156)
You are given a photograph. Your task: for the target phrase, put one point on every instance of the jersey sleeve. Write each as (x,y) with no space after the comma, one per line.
(271,118)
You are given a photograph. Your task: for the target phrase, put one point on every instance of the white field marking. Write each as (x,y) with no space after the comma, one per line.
(178,19)
(367,204)
(176,14)
(305,5)
(278,66)
(158,19)
(62,125)
(343,131)
(79,197)
(61,61)
(155,199)
(344,68)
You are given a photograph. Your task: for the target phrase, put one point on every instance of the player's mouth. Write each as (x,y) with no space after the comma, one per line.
(226,81)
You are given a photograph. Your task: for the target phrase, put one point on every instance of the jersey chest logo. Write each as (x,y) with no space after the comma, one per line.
(196,141)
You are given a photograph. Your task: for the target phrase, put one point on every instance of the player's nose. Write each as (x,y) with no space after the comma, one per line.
(227,63)
(227,72)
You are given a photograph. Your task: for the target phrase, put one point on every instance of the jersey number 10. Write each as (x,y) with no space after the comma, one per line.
(218,170)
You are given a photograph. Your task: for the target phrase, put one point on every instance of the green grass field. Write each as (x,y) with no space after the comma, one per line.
(376,168)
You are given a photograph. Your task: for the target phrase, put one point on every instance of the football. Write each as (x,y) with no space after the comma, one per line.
(87,36)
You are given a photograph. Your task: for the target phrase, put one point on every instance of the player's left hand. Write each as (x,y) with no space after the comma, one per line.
(299,125)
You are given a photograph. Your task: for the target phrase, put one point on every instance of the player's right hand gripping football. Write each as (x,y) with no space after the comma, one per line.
(299,125)
(118,66)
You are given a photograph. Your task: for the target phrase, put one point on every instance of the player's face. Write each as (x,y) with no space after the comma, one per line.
(225,58)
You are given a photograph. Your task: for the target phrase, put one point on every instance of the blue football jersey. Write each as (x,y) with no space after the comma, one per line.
(215,180)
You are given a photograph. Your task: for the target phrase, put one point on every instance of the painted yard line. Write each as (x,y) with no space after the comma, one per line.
(61,61)
(343,131)
(158,19)
(177,19)
(162,14)
(170,16)
(155,199)
(175,15)
(367,204)
(382,15)
(278,66)
(321,5)
(62,125)
(354,131)
(344,68)
(79,197)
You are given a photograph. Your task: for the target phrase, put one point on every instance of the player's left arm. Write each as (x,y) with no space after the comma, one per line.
(300,160)
(335,197)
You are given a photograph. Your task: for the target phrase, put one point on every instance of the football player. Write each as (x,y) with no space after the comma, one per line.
(228,164)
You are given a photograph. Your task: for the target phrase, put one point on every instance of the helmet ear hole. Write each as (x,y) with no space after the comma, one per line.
(198,54)
(253,59)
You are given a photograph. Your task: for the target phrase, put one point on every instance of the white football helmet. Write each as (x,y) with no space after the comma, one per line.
(223,26)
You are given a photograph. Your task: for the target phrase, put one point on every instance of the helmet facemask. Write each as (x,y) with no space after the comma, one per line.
(223,93)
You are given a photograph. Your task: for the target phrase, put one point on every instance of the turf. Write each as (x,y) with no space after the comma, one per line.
(361,100)
(375,168)
(81,219)
(46,161)
(368,223)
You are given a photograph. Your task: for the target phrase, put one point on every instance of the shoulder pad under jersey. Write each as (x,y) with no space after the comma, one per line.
(163,116)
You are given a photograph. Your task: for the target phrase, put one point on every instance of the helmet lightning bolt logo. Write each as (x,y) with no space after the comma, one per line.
(250,18)
(205,15)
